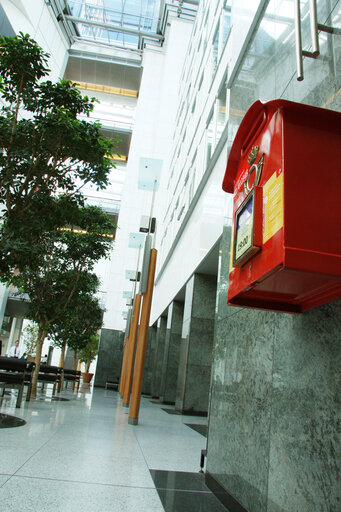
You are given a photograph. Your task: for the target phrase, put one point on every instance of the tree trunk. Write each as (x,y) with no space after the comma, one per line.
(87,367)
(39,347)
(74,362)
(61,364)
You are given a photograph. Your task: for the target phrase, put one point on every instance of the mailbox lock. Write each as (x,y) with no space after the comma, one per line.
(258,171)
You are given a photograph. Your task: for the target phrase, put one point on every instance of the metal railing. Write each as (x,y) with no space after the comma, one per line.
(314,28)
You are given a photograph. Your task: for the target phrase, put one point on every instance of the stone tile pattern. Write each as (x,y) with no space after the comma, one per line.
(159,354)
(172,351)
(109,361)
(274,430)
(196,344)
(150,357)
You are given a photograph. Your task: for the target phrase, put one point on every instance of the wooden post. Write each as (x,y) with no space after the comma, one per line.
(142,343)
(123,369)
(131,351)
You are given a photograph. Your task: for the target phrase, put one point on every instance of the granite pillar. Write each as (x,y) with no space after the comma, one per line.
(158,356)
(109,360)
(150,357)
(171,353)
(196,345)
(274,423)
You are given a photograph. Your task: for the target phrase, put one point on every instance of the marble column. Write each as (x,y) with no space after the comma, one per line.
(150,357)
(159,352)
(109,360)
(274,423)
(195,359)
(171,353)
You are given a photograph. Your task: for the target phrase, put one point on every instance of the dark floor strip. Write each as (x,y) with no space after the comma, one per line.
(201,429)
(171,411)
(227,499)
(185,492)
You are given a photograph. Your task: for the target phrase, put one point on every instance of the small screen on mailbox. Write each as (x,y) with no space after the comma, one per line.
(244,229)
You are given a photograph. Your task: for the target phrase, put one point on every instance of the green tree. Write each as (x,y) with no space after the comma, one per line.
(82,318)
(30,336)
(63,268)
(47,153)
(90,351)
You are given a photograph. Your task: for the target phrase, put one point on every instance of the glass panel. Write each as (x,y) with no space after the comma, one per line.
(221,111)
(209,140)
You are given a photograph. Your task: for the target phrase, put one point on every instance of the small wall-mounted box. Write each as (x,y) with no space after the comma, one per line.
(135,276)
(147,224)
(284,170)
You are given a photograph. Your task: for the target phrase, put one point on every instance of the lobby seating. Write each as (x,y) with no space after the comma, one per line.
(71,376)
(50,375)
(16,373)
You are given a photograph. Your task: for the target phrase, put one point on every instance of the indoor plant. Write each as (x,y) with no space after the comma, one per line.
(88,354)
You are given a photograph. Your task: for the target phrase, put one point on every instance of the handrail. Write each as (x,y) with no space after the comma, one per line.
(314,28)
(298,38)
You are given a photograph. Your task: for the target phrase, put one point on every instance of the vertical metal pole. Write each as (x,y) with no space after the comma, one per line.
(153,201)
(142,343)
(128,338)
(298,35)
(131,351)
(314,29)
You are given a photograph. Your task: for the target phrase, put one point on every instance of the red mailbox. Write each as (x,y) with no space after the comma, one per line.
(284,170)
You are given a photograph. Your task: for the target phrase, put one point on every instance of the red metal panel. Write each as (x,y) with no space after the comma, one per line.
(293,151)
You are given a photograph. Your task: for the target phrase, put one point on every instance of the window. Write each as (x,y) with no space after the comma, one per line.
(215,50)
(209,138)
(221,110)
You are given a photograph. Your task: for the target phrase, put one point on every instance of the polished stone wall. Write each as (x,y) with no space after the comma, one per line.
(158,356)
(149,361)
(274,427)
(109,360)
(171,353)
(195,359)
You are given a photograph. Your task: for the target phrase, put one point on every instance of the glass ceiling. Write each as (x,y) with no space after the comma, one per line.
(121,23)
(136,15)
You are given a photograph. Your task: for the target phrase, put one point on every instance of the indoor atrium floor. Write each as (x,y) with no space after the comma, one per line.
(80,454)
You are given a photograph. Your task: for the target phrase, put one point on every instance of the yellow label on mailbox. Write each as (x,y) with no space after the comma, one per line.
(273,205)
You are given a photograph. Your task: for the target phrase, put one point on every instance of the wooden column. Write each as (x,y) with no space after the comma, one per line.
(142,343)
(123,369)
(131,351)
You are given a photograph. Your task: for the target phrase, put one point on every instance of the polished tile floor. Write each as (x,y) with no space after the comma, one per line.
(81,455)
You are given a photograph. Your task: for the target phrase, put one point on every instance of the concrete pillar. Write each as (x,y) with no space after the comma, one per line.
(171,353)
(158,359)
(3,301)
(12,333)
(196,345)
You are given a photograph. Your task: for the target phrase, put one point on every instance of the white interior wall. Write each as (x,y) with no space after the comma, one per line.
(152,136)
(35,18)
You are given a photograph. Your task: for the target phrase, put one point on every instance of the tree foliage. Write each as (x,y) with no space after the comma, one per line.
(90,351)
(82,318)
(47,153)
(63,272)
(30,336)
